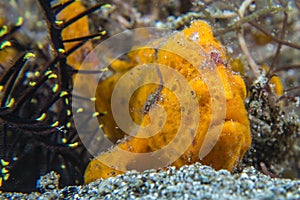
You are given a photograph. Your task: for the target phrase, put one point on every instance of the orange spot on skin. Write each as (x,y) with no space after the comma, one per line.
(261,39)
(275,81)
(237,66)
(278,87)
(235,138)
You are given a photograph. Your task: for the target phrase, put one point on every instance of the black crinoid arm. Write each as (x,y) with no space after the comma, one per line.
(36,129)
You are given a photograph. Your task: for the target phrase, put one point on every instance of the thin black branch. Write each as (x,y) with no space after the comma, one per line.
(284,68)
(83,38)
(9,34)
(31,91)
(286,43)
(10,77)
(75,47)
(281,37)
(86,12)
(59,7)
(292,88)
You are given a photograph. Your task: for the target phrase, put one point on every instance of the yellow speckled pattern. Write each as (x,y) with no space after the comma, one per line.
(235,137)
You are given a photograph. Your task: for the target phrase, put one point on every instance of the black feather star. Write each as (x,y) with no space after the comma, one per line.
(36,130)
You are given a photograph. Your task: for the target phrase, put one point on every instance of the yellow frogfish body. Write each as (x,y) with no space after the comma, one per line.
(217,95)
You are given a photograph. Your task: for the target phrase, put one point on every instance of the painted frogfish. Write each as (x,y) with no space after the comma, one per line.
(187,79)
